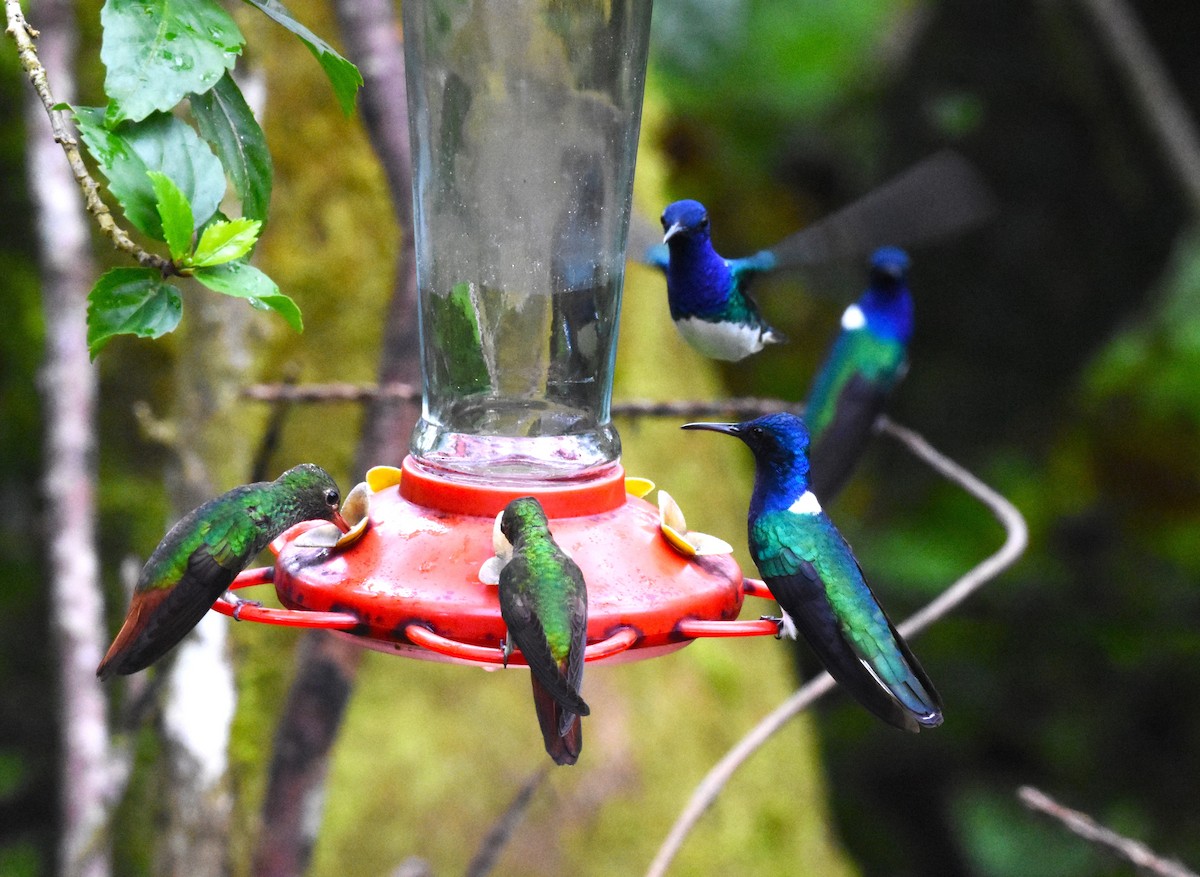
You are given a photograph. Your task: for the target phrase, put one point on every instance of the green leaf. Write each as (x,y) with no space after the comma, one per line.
(343,76)
(158,51)
(225,241)
(175,213)
(161,143)
(226,122)
(245,281)
(131,301)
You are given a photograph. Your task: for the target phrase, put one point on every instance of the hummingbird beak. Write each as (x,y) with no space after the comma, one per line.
(734,429)
(672,231)
(340,522)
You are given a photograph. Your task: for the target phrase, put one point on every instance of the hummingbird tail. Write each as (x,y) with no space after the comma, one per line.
(135,647)
(562,730)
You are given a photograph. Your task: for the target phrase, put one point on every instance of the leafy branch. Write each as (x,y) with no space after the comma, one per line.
(169,176)
(24,35)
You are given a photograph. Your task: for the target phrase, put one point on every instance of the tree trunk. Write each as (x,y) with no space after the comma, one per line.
(68,386)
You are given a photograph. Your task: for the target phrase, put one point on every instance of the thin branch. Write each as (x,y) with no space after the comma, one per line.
(324,394)
(1087,828)
(332,392)
(24,36)
(1158,98)
(497,838)
(1017,537)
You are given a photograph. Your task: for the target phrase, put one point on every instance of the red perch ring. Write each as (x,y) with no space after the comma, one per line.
(411,583)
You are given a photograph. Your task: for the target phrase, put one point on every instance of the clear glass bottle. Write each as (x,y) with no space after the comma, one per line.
(524,117)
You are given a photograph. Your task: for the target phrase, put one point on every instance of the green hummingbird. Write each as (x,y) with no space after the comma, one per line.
(543,601)
(201,555)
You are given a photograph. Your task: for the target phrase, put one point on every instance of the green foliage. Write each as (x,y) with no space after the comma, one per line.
(243,280)
(166,176)
(132,301)
(161,143)
(175,211)
(159,51)
(343,76)
(225,241)
(229,126)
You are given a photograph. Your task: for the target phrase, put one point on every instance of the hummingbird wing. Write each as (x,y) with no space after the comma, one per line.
(935,198)
(193,565)
(847,396)
(520,612)
(576,655)
(833,454)
(818,583)
(644,243)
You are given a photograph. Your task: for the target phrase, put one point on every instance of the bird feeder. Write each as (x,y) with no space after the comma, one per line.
(524,118)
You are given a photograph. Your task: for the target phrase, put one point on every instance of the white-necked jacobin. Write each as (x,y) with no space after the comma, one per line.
(201,555)
(818,583)
(707,293)
(543,600)
(866,362)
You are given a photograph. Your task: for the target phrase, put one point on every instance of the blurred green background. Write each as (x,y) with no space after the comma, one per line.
(1056,354)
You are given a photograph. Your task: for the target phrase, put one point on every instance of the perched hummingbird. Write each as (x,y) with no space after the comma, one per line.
(543,601)
(707,293)
(867,361)
(819,585)
(202,554)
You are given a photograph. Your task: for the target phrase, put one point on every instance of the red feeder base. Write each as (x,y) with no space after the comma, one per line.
(411,584)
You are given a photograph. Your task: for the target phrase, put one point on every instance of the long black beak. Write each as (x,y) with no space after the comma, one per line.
(734,429)
(672,231)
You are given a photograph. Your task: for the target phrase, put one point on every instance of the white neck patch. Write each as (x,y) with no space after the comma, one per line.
(807,504)
(853,318)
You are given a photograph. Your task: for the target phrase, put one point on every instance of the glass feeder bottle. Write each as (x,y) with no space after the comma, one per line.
(524,118)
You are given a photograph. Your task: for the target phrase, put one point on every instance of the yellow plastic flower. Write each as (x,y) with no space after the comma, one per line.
(674,528)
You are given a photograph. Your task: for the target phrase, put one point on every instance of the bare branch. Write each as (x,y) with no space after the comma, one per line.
(737,406)
(24,36)
(1014,545)
(1158,98)
(1087,828)
(484,860)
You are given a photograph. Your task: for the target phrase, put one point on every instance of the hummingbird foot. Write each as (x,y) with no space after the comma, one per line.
(778,621)
(505,651)
(239,603)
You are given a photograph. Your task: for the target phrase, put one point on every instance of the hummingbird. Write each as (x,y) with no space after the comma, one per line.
(543,601)
(817,582)
(201,555)
(868,359)
(708,294)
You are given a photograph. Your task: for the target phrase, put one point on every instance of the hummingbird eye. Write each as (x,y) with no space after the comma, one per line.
(663,220)
(331,497)
(704,222)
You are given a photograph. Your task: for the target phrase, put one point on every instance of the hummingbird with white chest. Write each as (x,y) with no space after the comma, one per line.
(708,295)
(818,583)
(868,358)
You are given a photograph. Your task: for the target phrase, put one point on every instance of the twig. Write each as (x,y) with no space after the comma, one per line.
(1087,828)
(484,860)
(332,392)
(737,406)
(1017,536)
(1158,98)
(24,35)
(273,433)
